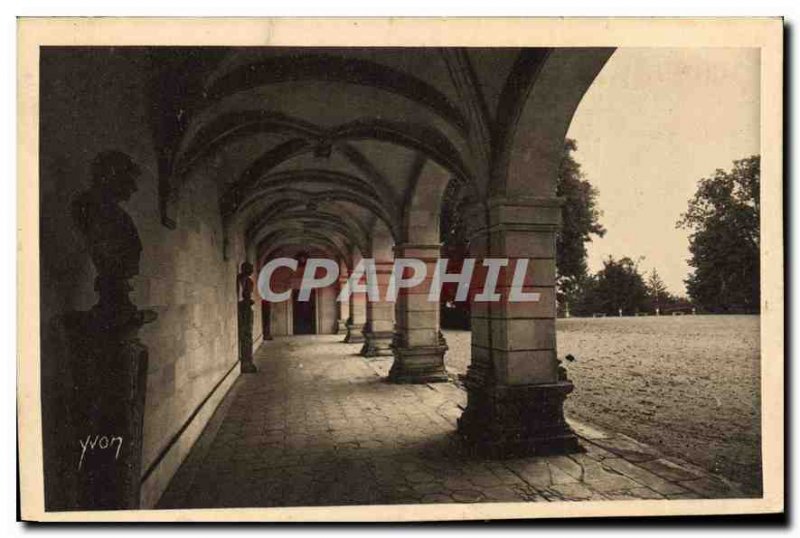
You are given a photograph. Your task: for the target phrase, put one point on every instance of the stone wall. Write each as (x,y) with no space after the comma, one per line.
(92,101)
(281,318)
(326,310)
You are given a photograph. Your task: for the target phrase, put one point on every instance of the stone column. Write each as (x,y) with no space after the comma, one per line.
(379,329)
(515,384)
(418,346)
(342,307)
(356,318)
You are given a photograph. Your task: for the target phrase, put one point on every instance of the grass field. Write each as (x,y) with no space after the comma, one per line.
(688,385)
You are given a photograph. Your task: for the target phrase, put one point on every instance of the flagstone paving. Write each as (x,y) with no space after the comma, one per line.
(319,425)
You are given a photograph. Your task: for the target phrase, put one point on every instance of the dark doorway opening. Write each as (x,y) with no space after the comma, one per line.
(304,314)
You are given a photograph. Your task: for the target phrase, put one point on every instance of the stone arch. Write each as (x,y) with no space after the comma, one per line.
(285,233)
(324,67)
(381,240)
(552,84)
(423,203)
(317,188)
(283,316)
(230,126)
(302,137)
(288,247)
(302,218)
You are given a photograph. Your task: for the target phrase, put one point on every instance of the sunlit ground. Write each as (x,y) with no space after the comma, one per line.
(686,384)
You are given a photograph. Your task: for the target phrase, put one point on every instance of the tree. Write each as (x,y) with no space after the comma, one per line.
(455,247)
(452,228)
(657,290)
(723,217)
(580,221)
(617,286)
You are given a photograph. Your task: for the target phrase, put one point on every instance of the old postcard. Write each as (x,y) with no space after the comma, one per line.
(399,269)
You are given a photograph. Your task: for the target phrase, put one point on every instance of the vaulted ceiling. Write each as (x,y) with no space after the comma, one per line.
(321,146)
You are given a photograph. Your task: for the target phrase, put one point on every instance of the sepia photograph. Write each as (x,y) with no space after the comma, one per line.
(394,270)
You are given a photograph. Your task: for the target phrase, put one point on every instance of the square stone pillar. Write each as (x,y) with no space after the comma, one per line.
(515,386)
(342,307)
(357,318)
(379,328)
(418,346)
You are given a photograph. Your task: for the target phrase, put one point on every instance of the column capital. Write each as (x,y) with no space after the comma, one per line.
(417,250)
(401,246)
(522,214)
(526,201)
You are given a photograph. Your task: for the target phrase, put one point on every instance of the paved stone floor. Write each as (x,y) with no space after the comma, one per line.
(318,425)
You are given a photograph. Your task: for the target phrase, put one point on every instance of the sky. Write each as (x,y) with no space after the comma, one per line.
(654,122)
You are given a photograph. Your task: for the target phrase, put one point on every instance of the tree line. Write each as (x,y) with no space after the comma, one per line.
(722,219)
(723,223)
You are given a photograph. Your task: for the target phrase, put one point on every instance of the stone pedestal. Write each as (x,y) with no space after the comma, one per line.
(245,321)
(517,420)
(377,344)
(355,334)
(418,364)
(105,372)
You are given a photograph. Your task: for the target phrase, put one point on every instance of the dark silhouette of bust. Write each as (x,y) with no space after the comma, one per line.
(106,372)
(111,235)
(245,281)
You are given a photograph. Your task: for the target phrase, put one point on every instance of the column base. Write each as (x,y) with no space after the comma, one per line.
(248,368)
(354,335)
(515,421)
(377,344)
(422,364)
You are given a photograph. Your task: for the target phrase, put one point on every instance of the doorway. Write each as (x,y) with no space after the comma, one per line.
(304,314)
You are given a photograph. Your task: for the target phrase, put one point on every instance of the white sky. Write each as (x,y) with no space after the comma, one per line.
(654,122)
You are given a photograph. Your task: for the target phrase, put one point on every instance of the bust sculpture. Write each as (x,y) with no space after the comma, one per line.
(106,368)
(111,236)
